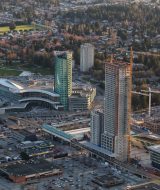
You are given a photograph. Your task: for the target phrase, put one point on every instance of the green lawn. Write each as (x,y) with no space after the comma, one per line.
(22,27)
(14,72)
(17,68)
(8,72)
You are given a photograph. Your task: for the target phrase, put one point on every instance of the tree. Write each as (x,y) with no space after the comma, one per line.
(24,156)
(12,26)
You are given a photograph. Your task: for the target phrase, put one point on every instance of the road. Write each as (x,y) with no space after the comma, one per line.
(125,166)
(4,185)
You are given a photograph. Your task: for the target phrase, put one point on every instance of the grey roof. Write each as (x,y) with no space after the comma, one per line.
(53,94)
(11,84)
(155,148)
(97,148)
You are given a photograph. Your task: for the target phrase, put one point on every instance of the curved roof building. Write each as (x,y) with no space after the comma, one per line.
(21,99)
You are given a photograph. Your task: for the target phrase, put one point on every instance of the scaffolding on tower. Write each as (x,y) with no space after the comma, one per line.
(129,102)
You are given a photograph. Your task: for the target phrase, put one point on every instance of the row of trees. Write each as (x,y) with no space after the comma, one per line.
(152,63)
(143,17)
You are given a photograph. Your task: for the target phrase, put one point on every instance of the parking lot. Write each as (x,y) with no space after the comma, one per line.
(78,173)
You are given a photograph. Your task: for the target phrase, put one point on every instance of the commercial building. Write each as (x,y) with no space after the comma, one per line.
(97,126)
(82,98)
(86,57)
(16,98)
(9,90)
(78,102)
(108,180)
(155,155)
(36,148)
(63,76)
(23,135)
(22,172)
(117,108)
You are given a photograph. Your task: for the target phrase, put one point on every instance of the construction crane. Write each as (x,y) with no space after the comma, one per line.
(149,94)
(130,98)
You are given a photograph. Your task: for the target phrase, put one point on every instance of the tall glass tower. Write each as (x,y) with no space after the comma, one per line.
(63,76)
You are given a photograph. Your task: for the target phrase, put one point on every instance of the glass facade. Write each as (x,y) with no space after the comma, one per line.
(63,77)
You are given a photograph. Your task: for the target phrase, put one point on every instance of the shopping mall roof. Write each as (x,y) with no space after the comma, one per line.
(13,86)
(39,99)
(18,106)
(53,94)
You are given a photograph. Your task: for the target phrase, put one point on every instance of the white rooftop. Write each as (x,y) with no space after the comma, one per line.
(13,86)
(26,73)
(40,91)
(150,136)
(78,131)
(155,148)
(26,142)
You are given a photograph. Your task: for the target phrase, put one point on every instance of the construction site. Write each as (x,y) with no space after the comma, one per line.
(153,124)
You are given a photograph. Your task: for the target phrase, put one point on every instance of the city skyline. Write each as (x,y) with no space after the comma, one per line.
(79,110)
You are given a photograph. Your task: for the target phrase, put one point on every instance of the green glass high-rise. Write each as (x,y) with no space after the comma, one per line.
(63,76)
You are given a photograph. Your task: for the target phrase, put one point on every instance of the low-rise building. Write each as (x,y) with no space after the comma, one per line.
(22,172)
(79,102)
(82,98)
(23,135)
(155,155)
(153,124)
(108,180)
